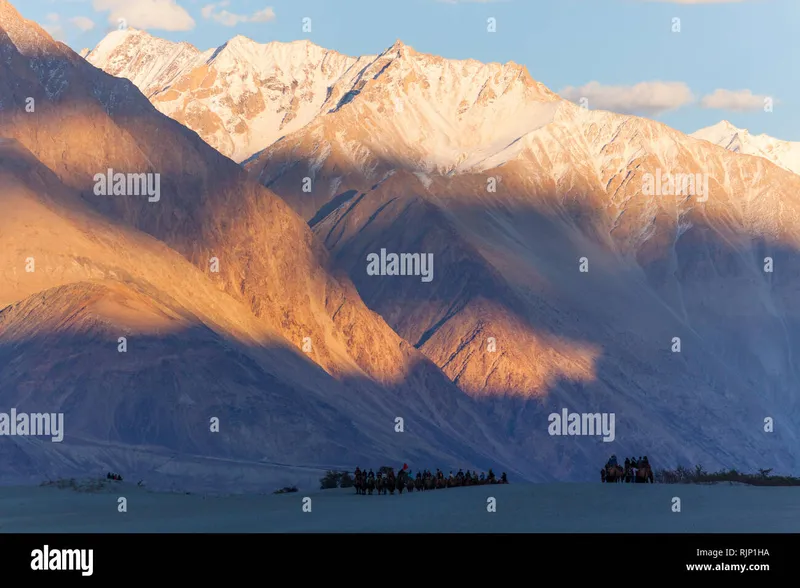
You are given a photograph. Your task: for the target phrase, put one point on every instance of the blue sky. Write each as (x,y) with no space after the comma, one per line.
(725,60)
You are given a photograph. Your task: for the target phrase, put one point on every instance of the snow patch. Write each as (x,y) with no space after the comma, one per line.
(424,179)
(316,163)
(335,183)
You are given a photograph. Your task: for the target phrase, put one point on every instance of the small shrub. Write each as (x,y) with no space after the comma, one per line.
(286,490)
(331,480)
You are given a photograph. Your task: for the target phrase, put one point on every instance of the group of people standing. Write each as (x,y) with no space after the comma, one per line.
(632,470)
(385,481)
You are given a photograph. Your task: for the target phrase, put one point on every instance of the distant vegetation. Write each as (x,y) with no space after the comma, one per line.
(684,475)
(88,485)
(334,479)
(286,490)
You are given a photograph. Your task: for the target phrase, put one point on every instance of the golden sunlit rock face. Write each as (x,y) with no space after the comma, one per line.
(576,254)
(224,298)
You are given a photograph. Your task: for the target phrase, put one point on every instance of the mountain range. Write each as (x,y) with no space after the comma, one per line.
(239,97)
(559,280)
(275,345)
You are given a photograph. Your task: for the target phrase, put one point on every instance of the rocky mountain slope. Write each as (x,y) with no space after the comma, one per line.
(785,154)
(239,97)
(283,352)
(568,271)
(680,325)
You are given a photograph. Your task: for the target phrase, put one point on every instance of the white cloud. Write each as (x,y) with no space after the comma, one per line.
(208,9)
(735,100)
(230,19)
(646,98)
(83,23)
(53,26)
(266,15)
(166,15)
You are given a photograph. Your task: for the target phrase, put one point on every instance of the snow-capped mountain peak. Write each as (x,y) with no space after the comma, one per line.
(431,113)
(149,62)
(398,49)
(785,154)
(240,97)
(244,95)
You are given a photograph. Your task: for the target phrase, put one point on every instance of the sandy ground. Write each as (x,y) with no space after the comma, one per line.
(519,508)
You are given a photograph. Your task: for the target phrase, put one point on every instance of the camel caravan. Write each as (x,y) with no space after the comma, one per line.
(385,481)
(632,471)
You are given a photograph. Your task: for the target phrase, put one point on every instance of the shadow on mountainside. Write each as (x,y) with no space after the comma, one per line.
(674,406)
(673,418)
(736,323)
(163,392)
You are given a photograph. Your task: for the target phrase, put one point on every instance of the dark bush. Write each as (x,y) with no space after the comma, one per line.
(331,480)
(286,490)
(683,475)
